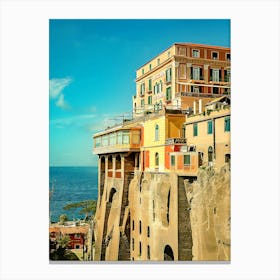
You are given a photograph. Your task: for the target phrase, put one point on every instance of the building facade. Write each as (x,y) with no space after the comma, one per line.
(179,74)
(180,128)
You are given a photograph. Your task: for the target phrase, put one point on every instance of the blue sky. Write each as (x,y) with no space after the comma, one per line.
(92,72)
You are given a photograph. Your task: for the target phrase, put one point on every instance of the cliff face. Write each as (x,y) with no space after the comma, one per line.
(163,216)
(209,199)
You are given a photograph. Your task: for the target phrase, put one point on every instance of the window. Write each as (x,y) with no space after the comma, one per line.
(142,102)
(216,75)
(97,142)
(125,138)
(168,54)
(195,53)
(172,160)
(187,159)
(133,225)
(150,100)
(168,74)
(140,248)
(227,76)
(148,252)
(215,90)
(132,244)
(112,139)
(156,132)
(196,73)
(143,71)
(228,56)
(160,86)
(168,93)
(140,227)
(209,127)
(156,159)
(150,66)
(105,140)
(142,89)
(227,124)
(158,61)
(77,246)
(119,137)
(150,84)
(195,130)
(148,231)
(214,55)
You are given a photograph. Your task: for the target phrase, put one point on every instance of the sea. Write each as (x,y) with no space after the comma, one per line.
(69,185)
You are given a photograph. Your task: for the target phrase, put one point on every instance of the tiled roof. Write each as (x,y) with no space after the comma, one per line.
(69,230)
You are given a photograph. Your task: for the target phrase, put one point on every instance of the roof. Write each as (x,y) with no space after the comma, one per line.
(69,230)
(185,44)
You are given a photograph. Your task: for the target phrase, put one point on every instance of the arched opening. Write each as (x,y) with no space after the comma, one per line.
(102,164)
(168,253)
(110,162)
(210,154)
(112,193)
(118,162)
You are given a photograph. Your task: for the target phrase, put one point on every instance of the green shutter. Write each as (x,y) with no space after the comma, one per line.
(195,129)
(150,84)
(172,160)
(187,159)
(227,124)
(210,127)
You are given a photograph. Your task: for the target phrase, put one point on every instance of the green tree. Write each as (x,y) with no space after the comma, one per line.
(87,207)
(63,218)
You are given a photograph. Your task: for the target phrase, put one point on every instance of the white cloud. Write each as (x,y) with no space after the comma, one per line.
(57,86)
(56,91)
(61,102)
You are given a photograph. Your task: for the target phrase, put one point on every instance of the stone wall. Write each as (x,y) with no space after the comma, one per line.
(209,199)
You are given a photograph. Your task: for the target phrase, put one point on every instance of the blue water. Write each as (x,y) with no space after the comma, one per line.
(71,184)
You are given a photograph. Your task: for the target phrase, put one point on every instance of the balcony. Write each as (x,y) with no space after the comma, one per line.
(174,141)
(121,140)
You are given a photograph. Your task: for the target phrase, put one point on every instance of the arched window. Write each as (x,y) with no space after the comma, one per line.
(156,159)
(156,132)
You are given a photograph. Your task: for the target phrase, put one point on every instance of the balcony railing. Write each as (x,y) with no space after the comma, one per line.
(172,141)
(198,94)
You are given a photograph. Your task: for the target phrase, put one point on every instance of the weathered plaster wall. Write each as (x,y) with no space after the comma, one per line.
(209,199)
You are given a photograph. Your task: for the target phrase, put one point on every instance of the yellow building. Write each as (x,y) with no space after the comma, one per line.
(208,133)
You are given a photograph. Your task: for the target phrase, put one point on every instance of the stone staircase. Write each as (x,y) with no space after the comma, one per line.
(124,248)
(184,224)
(103,247)
(128,176)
